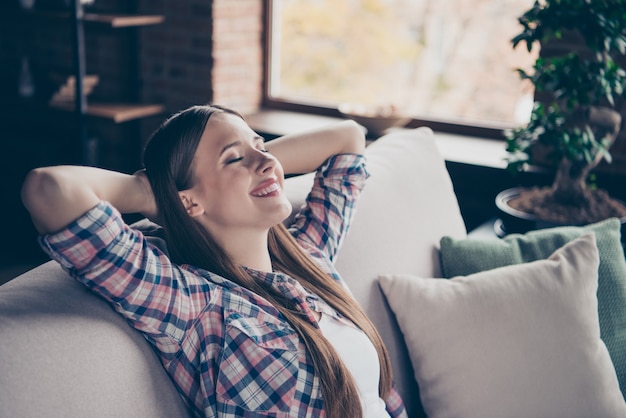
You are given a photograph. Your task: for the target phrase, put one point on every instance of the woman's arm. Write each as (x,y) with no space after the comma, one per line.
(305,152)
(56,196)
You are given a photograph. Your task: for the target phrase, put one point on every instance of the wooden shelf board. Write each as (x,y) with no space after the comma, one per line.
(119,21)
(120,112)
(112,20)
(117,112)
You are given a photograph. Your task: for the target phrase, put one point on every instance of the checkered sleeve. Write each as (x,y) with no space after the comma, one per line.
(117,263)
(331,204)
(395,406)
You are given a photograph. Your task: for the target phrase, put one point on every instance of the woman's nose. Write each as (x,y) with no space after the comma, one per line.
(266,161)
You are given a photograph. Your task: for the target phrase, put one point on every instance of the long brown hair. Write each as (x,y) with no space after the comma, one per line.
(168,159)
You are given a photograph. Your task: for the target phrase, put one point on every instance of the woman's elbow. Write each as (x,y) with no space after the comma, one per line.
(354,137)
(39,187)
(32,186)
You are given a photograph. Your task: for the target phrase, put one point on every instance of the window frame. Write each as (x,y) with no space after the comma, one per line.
(486,130)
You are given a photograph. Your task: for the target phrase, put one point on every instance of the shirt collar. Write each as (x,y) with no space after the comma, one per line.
(290,288)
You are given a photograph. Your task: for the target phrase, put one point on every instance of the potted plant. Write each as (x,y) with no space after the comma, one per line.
(575,121)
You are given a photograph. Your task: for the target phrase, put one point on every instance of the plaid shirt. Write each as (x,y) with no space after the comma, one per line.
(229,351)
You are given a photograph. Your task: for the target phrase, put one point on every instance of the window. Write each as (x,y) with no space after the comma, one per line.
(449,61)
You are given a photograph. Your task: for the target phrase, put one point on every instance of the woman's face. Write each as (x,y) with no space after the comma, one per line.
(238,184)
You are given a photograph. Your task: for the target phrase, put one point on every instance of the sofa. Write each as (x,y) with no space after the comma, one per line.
(66,353)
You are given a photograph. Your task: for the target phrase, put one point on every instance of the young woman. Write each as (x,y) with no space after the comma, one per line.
(248,317)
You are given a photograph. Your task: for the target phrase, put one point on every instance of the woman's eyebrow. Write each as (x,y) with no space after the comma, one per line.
(256,138)
(229,146)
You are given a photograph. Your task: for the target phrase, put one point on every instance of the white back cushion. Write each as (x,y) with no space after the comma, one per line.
(407,206)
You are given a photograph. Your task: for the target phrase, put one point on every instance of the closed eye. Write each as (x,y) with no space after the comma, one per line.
(234,160)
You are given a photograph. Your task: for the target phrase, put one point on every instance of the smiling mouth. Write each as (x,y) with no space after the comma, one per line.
(268,190)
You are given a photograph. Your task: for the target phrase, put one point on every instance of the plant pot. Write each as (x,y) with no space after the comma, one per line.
(513,221)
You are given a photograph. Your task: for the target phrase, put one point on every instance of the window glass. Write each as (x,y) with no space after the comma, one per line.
(446,60)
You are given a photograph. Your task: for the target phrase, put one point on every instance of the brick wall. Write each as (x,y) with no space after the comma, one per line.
(238,53)
(176,57)
(205,51)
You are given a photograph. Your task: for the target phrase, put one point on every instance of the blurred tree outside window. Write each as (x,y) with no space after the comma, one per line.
(445,60)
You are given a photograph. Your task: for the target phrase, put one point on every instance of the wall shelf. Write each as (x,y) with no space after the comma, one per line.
(73,95)
(112,20)
(116,112)
(121,21)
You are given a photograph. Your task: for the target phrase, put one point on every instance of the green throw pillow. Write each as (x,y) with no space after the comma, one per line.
(462,257)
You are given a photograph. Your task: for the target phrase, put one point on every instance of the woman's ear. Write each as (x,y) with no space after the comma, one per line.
(192,207)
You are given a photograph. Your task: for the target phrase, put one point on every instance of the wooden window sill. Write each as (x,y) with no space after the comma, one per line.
(470,150)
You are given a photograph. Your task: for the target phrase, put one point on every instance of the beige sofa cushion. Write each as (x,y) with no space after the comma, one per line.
(406,207)
(65,352)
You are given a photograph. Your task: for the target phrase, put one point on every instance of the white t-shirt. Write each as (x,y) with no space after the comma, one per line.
(360,357)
